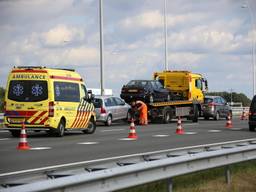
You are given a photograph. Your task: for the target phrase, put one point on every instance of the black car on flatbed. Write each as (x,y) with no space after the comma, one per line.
(148,91)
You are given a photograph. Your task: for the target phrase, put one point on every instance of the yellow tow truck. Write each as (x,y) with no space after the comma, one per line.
(188,90)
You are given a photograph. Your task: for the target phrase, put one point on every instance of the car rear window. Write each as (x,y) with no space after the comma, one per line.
(208,100)
(28,90)
(97,103)
(138,83)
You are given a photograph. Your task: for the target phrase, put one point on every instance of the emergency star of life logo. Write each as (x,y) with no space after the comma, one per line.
(18,90)
(37,90)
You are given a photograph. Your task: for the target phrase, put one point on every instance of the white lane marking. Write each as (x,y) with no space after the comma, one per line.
(190,133)
(189,124)
(126,139)
(88,143)
(110,130)
(4,139)
(40,148)
(214,131)
(160,135)
(117,157)
(236,129)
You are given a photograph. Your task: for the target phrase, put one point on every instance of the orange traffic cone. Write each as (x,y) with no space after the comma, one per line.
(179,129)
(132,133)
(229,122)
(23,144)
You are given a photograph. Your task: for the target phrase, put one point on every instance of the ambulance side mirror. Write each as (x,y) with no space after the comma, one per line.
(90,96)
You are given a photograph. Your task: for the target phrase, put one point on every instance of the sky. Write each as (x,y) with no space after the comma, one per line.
(213,38)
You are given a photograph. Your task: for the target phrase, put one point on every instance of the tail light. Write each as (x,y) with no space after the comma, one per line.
(51,109)
(211,104)
(103,110)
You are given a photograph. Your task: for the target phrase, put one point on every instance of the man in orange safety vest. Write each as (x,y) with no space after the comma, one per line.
(143,110)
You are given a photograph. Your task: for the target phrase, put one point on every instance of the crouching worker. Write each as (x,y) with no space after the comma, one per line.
(143,110)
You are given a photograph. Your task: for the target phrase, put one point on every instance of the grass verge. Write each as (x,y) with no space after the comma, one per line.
(243,179)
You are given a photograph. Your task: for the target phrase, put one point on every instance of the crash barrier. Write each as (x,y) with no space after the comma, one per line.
(139,169)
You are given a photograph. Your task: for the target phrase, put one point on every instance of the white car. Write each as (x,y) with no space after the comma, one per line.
(110,108)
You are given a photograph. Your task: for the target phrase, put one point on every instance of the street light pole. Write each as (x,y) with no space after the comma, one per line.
(165,37)
(101,48)
(247,5)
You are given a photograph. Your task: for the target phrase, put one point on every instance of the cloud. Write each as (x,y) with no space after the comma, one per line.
(153,19)
(62,34)
(82,55)
(187,60)
(149,19)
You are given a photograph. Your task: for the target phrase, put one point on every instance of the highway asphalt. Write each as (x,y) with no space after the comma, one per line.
(112,142)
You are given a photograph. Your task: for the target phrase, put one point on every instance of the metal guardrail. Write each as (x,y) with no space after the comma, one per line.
(139,169)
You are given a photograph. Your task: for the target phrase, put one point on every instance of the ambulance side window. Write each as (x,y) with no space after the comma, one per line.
(84,91)
(64,91)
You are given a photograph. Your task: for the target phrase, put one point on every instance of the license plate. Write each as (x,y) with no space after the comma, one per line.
(133,90)
(16,120)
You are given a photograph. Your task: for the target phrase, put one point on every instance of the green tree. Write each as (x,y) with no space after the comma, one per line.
(236,97)
(2,91)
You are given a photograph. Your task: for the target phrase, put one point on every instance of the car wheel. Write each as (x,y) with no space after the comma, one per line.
(251,128)
(217,116)
(15,133)
(151,99)
(109,120)
(168,97)
(61,128)
(91,127)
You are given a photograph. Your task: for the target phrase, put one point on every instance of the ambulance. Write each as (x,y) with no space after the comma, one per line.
(47,99)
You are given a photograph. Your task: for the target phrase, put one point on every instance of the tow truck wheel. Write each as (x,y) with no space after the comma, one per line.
(15,133)
(195,117)
(91,127)
(167,115)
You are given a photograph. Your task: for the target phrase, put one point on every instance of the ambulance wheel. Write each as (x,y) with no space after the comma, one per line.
(15,133)
(91,127)
(61,128)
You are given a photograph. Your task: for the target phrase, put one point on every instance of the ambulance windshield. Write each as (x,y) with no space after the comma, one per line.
(28,90)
